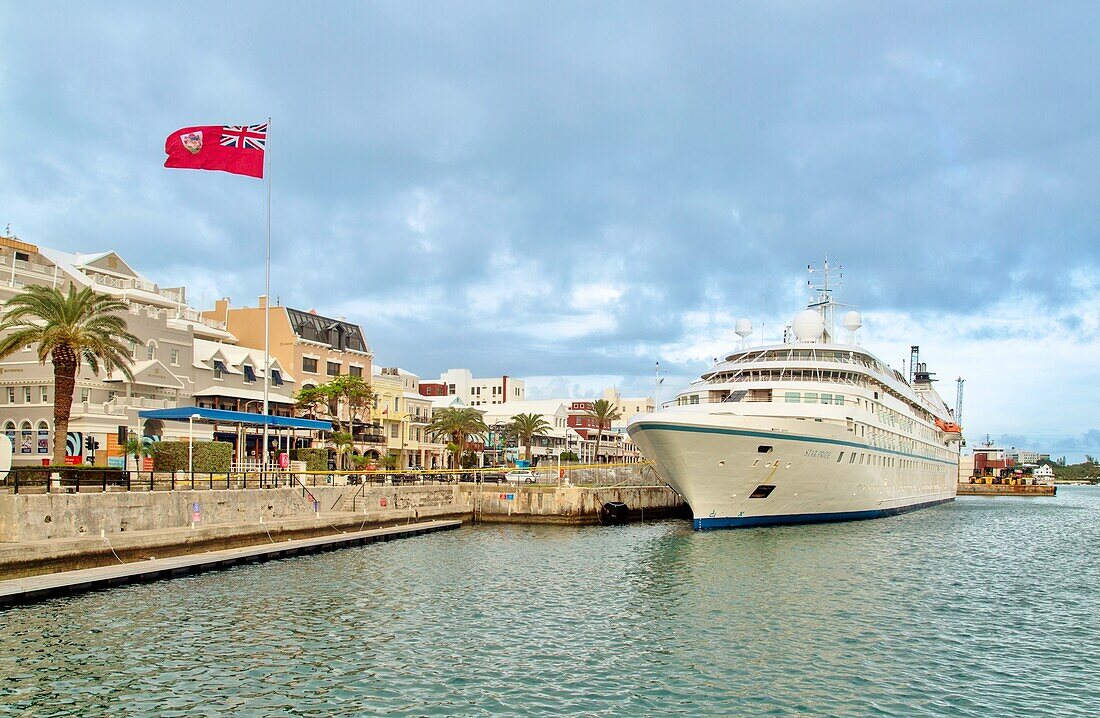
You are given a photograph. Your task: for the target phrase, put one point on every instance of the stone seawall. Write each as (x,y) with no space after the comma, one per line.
(36,517)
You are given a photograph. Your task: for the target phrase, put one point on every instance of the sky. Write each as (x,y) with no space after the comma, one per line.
(572,192)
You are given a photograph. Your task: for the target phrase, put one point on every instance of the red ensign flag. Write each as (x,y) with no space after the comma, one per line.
(238,149)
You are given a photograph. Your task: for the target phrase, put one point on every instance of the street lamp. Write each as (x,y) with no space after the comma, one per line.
(191,442)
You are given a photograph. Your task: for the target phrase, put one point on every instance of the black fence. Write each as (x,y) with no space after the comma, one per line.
(40,479)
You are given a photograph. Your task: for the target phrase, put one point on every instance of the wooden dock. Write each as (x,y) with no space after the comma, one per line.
(37,588)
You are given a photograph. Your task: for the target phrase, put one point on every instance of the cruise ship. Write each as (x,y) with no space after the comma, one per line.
(812,429)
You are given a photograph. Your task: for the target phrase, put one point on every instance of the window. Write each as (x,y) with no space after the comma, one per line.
(309,364)
(333,368)
(219,368)
(355,370)
(11,394)
(826,398)
(838,399)
(396,399)
(45,394)
(809,397)
(840,457)
(151,350)
(249,374)
(395,430)
(450,388)
(694,399)
(111,395)
(792,397)
(276,377)
(175,357)
(26,395)
(85,395)
(763,449)
(762,492)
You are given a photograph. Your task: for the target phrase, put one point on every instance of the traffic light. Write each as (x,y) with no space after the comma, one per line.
(91,444)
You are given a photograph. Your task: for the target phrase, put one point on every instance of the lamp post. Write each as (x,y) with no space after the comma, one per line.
(191,443)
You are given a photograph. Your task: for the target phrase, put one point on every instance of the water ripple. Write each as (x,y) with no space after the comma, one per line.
(978,608)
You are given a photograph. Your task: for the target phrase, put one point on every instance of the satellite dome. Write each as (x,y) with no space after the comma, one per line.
(808,326)
(852,321)
(743,328)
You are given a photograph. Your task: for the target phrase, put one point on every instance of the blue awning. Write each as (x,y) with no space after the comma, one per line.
(183,413)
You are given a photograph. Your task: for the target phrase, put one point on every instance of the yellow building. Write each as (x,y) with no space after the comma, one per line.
(404,416)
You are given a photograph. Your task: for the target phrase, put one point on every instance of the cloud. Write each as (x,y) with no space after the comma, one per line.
(576,191)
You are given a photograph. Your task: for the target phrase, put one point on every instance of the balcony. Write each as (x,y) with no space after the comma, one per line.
(173,295)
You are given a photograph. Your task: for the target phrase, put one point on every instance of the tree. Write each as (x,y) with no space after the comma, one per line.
(344,395)
(68,329)
(136,447)
(604,412)
(344,446)
(460,424)
(525,426)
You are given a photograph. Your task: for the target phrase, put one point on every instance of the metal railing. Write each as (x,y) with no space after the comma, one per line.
(42,479)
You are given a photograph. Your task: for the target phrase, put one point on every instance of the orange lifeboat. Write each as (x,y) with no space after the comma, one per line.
(948,427)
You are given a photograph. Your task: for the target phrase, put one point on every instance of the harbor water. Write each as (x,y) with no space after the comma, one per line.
(980,607)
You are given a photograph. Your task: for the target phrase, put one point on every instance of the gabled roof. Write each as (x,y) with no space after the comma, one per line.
(235,357)
(149,372)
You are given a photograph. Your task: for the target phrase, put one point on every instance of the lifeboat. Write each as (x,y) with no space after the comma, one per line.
(948,427)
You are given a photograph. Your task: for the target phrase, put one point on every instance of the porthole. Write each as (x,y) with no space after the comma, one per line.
(721,464)
(756,463)
(788,464)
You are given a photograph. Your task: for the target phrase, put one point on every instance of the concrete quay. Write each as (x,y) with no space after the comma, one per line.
(45,533)
(36,588)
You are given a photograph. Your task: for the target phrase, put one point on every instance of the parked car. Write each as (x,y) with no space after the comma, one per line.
(520,476)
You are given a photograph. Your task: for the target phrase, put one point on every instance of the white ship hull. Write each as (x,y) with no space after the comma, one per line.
(816,471)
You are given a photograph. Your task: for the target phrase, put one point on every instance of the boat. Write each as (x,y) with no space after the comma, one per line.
(815,428)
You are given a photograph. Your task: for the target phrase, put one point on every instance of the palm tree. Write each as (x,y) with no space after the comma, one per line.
(604,412)
(68,328)
(462,425)
(525,426)
(136,447)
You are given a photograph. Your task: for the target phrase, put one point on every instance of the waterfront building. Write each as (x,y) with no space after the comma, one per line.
(549,444)
(103,404)
(1023,456)
(315,348)
(403,415)
(473,391)
(1044,474)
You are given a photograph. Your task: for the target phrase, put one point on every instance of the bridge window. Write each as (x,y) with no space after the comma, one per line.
(792,397)
(762,491)
(763,449)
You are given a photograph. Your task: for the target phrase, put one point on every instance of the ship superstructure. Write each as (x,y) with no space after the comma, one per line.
(810,429)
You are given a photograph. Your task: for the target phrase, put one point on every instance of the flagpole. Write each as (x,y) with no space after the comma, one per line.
(267,301)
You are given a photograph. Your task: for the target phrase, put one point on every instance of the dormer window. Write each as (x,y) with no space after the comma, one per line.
(276,377)
(249,374)
(219,368)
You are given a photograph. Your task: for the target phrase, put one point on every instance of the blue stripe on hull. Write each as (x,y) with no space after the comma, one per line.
(737,522)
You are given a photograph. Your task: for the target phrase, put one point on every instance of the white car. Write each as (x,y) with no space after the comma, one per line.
(520,476)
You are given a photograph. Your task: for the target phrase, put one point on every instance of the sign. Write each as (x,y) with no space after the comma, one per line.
(196,512)
(502,496)
(72,460)
(116,462)
(382,502)
(147,463)
(511,497)
(561,473)
(284,460)
(43,441)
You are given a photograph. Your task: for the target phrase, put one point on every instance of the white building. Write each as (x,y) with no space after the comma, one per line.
(481,392)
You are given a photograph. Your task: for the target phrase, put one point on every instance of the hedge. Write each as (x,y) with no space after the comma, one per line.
(316,459)
(209,456)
